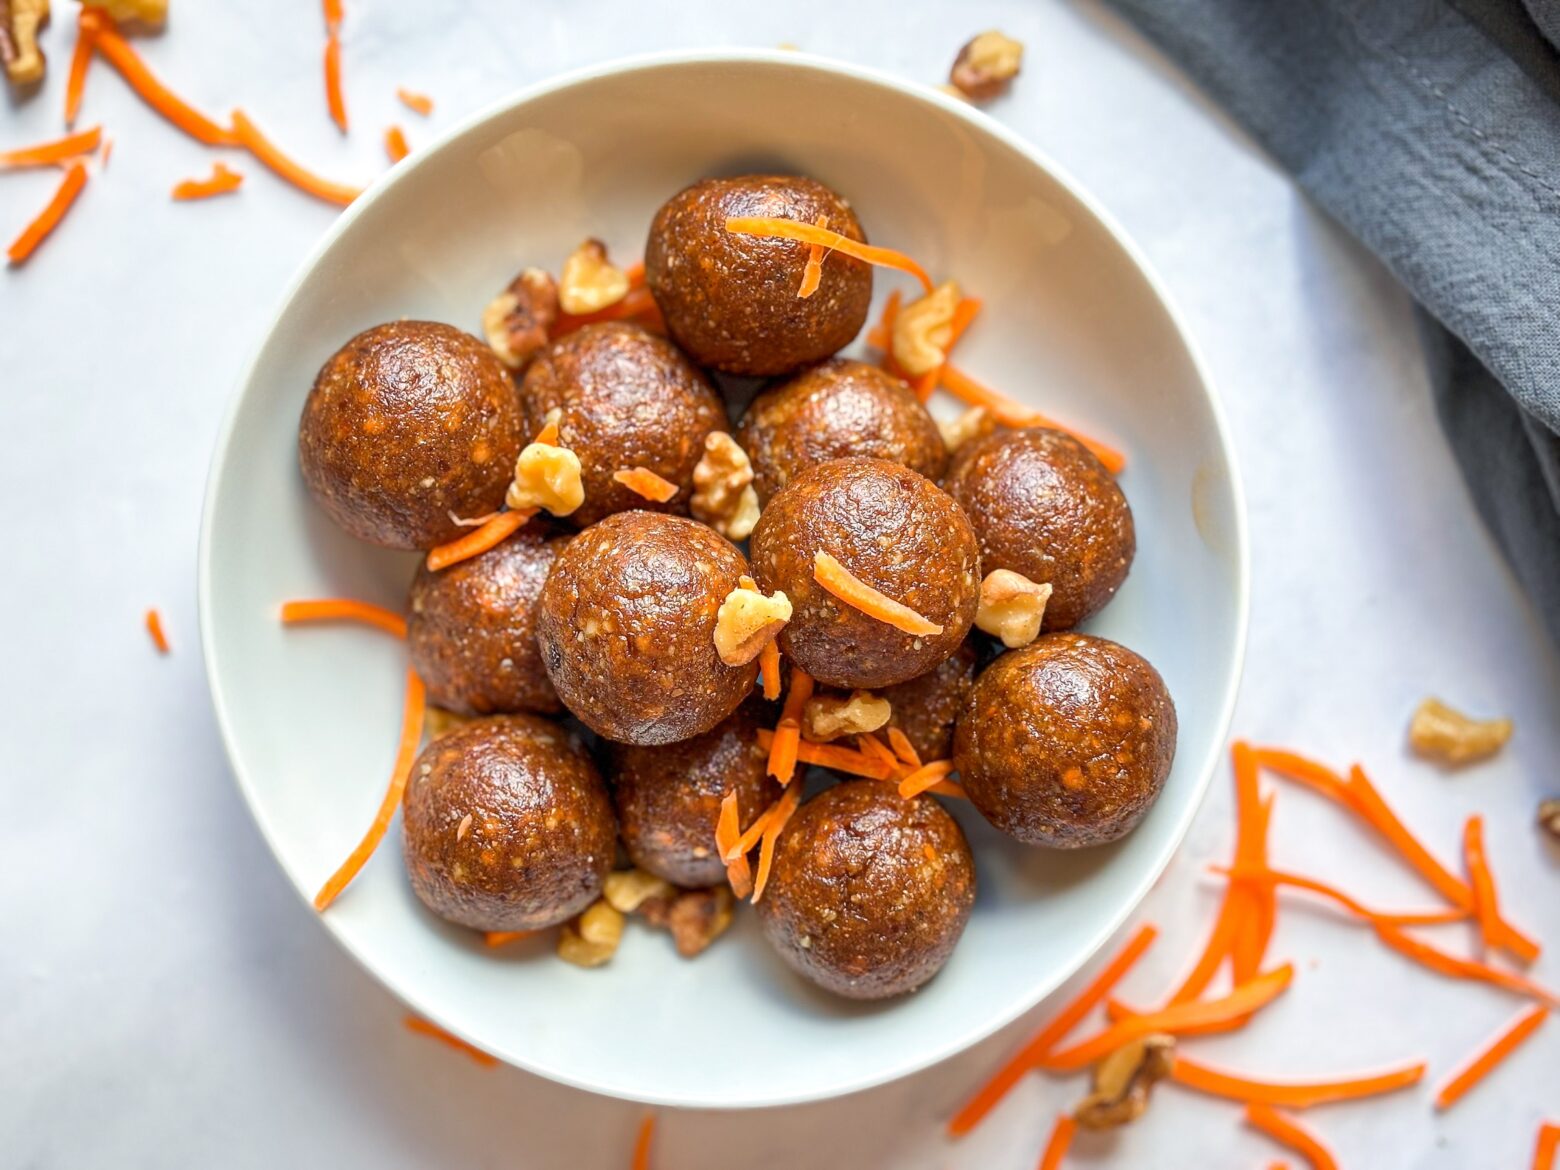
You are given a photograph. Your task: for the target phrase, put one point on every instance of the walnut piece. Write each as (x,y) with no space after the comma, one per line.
(20,21)
(828,717)
(746,622)
(1549,816)
(1452,738)
(589,281)
(1011,607)
(439,722)
(628,889)
(723,494)
(974,423)
(547,477)
(516,321)
(923,330)
(1122,1082)
(986,65)
(696,918)
(592,938)
(144,12)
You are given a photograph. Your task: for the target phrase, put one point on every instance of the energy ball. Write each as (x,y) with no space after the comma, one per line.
(730,300)
(1066,742)
(409,426)
(927,707)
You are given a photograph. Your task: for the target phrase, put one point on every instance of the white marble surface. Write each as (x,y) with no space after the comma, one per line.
(166,1001)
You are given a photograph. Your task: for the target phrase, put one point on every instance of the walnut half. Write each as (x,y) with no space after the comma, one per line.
(1012,607)
(1450,737)
(986,65)
(746,622)
(923,330)
(592,938)
(829,717)
(723,494)
(20,21)
(516,321)
(1122,1082)
(974,423)
(547,477)
(590,282)
(696,918)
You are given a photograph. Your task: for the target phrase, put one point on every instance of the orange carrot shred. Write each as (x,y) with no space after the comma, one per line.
(750,836)
(1488,1058)
(786,745)
(108,150)
(870,745)
(418,103)
(424,1028)
(45,154)
(333,15)
(924,777)
(50,217)
(127,62)
(411,736)
(774,822)
(949,788)
(221,182)
(499,938)
(1546,1146)
(857,594)
(964,313)
(1459,968)
(1291,1094)
(1071,1015)
(1014,414)
(76,80)
(806,233)
(769,669)
(812,274)
(1058,1143)
(334,609)
(335,99)
(547,436)
(644,482)
(642,1143)
(728,831)
(1273,877)
(903,748)
(250,137)
(154,627)
(1293,766)
(831,755)
(881,335)
(395,144)
(1481,882)
(492,533)
(1285,1130)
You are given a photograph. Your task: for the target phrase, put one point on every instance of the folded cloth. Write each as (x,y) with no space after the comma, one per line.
(1431,130)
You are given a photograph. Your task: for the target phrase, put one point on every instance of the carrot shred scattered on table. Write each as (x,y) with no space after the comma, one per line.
(418,103)
(154,627)
(857,594)
(1291,1094)
(637,304)
(774,822)
(499,938)
(411,736)
(127,62)
(335,99)
(644,482)
(395,144)
(50,217)
(80,62)
(1485,1061)
(58,150)
(334,14)
(1481,882)
(1014,414)
(786,744)
(1287,1131)
(1545,1146)
(424,1028)
(985,1099)
(642,1143)
(812,274)
(1274,877)
(806,233)
(337,609)
(1058,1143)
(250,137)
(221,181)
(493,532)
(1459,968)
(769,669)
(925,777)
(1314,775)
(903,748)
(728,831)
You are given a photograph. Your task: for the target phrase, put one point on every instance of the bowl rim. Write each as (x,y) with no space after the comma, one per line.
(976,120)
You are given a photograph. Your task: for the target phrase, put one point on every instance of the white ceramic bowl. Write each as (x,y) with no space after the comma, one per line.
(1075,324)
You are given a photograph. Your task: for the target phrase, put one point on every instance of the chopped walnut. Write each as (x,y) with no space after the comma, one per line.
(986,65)
(746,622)
(145,12)
(828,717)
(1122,1082)
(628,889)
(923,330)
(517,320)
(974,423)
(589,281)
(547,477)
(1012,607)
(592,938)
(1549,816)
(20,21)
(439,722)
(723,494)
(1452,738)
(696,918)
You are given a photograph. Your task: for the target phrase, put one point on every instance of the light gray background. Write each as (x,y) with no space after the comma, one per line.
(166,1001)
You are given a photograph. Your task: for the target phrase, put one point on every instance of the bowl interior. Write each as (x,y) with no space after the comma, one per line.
(1072,324)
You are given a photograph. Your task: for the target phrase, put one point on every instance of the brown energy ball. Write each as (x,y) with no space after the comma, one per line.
(1066,742)
(730,300)
(869,891)
(409,423)
(894,530)
(626,398)
(927,707)
(668,797)
(507,825)
(471,628)
(1044,506)
(627,628)
(837,408)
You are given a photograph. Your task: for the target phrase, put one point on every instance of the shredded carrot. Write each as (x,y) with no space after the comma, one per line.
(1058,1143)
(774,823)
(424,1028)
(636,303)
(1273,877)
(871,745)
(1488,1058)
(154,627)
(336,609)
(411,735)
(499,938)
(1546,1146)
(50,217)
(924,777)
(493,532)
(127,62)
(784,748)
(1481,882)
(832,755)
(881,335)
(1312,774)
(1015,414)
(806,233)
(750,836)
(418,103)
(335,99)
(769,669)
(1178,1018)
(1458,968)
(857,594)
(1288,1132)
(964,313)
(333,15)
(221,182)
(395,144)
(949,788)
(250,137)
(108,150)
(642,1143)
(644,482)
(1259,903)
(80,62)
(728,831)
(903,748)
(812,274)
(46,154)
(1290,1094)
(1037,1046)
